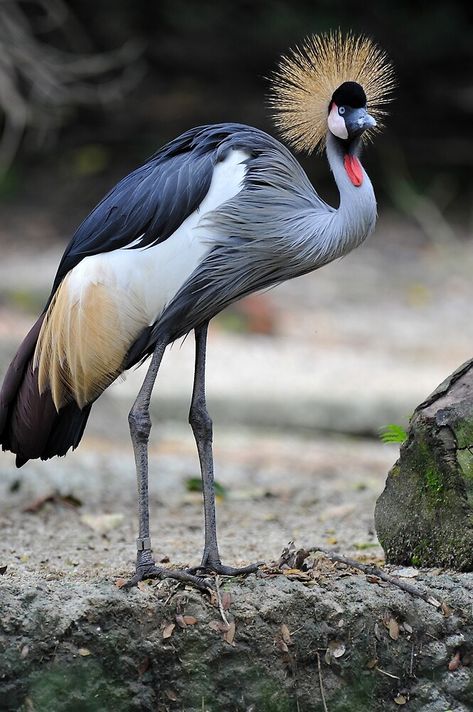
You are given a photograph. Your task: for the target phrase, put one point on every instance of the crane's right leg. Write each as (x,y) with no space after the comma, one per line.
(202,427)
(140,427)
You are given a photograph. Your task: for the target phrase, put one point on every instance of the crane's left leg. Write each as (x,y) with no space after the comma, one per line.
(140,427)
(201,424)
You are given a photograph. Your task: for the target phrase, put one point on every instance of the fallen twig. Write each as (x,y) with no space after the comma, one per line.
(389,674)
(219,601)
(372,570)
(321,683)
(172,593)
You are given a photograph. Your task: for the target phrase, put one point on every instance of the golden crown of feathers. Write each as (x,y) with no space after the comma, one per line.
(303,84)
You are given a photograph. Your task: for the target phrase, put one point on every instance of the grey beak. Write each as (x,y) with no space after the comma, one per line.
(357,121)
(370,123)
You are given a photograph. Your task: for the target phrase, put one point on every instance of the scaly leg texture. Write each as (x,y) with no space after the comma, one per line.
(201,424)
(140,427)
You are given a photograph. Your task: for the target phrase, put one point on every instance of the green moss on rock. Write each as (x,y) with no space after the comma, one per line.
(83,685)
(465,460)
(424,516)
(464,431)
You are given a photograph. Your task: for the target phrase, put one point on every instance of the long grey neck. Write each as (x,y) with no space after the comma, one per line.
(355,217)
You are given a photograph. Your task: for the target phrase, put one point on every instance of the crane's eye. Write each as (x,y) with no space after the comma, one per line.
(341,110)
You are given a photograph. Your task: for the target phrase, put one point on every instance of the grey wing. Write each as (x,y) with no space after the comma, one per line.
(258,238)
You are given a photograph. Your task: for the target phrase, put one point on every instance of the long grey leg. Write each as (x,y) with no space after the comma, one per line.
(201,424)
(140,427)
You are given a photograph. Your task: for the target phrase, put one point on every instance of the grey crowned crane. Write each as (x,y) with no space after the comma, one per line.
(219,212)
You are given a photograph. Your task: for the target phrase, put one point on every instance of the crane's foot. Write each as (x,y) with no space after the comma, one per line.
(150,571)
(212,565)
(146,569)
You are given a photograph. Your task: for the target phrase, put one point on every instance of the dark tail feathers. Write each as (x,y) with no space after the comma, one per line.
(30,426)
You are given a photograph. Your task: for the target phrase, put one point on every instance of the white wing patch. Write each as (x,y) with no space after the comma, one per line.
(154,275)
(107,299)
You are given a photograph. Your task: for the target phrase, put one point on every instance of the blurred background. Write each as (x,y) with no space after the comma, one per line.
(90,88)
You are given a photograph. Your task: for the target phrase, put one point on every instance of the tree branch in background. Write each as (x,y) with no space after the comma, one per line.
(41,83)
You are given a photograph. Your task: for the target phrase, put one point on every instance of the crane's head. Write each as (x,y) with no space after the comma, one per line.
(329,84)
(348,117)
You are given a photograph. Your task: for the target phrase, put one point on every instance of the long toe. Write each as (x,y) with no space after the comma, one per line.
(216,567)
(152,571)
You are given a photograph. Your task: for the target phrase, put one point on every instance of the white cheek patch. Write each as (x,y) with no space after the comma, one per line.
(336,123)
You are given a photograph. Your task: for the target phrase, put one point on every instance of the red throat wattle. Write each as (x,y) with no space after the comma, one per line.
(353,169)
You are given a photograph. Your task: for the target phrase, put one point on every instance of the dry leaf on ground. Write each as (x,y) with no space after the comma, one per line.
(455,662)
(400,699)
(393,627)
(168,630)
(226,600)
(406,572)
(143,666)
(281,645)
(103,523)
(296,575)
(335,649)
(230,634)
(446,610)
(218,626)
(68,500)
(286,635)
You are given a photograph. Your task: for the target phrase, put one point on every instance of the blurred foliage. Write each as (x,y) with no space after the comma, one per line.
(90,159)
(194,484)
(28,301)
(393,433)
(208,62)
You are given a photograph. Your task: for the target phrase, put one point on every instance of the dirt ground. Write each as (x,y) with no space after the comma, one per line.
(277,488)
(296,412)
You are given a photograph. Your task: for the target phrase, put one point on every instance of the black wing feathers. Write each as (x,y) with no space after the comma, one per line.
(143,205)
(30,426)
(149,204)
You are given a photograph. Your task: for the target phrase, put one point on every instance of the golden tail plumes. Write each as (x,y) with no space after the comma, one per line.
(83,342)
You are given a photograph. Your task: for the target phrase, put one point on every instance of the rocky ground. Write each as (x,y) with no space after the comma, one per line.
(300,381)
